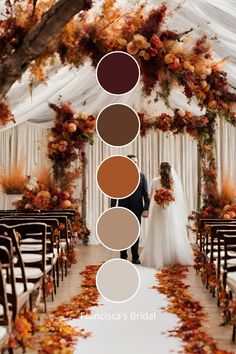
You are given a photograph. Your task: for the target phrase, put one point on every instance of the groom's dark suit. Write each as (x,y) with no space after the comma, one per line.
(137,203)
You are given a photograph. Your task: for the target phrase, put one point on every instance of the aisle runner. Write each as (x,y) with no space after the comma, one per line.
(134,327)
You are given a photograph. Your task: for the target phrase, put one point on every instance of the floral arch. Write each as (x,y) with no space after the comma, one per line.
(167,59)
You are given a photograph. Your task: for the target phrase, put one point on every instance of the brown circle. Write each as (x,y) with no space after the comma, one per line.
(118,176)
(118,73)
(118,228)
(117,124)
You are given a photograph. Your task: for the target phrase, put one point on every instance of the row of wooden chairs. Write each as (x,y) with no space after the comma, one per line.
(216,239)
(30,248)
(17,280)
(62,222)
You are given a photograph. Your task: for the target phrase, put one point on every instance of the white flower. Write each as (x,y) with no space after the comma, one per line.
(32,184)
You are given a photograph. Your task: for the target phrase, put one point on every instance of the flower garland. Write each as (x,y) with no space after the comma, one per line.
(179,123)
(54,335)
(201,128)
(66,144)
(68,137)
(165,57)
(190,312)
(67,141)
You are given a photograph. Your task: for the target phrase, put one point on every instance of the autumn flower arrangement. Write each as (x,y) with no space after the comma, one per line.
(165,57)
(43,193)
(179,123)
(219,202)
(67,141)
(68,137)
(14,181)
(163,197)
(227,198)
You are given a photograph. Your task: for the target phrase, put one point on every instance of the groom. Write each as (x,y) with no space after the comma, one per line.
(138,203)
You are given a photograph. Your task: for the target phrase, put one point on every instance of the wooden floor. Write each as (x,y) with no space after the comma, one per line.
(95,254)
(222,334)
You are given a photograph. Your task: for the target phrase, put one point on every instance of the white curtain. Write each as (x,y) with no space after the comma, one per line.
(28,142)
(225,151)
(25,145)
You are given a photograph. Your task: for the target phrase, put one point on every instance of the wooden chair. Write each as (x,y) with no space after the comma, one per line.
(201,235)
(35,272)
(222,258)
(9,232)
(5,318)
(212,247)
(54,244)
(229,277)
(17,293)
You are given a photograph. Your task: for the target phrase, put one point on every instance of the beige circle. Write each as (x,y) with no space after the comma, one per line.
(118,280)
(118,228)
(118,176)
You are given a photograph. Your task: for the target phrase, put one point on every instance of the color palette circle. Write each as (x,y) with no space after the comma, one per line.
(118,228)
(118,280)
(118,124)
(118,73)
(118,176)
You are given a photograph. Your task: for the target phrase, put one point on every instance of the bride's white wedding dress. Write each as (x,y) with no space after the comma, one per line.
(167,241)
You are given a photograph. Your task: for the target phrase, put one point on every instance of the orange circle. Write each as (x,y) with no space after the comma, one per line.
(118,177)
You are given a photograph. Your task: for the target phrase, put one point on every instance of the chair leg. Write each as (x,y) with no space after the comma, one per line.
(31,302)
(44,297)
(233,334)
(54,280)
(62,269)
(218,298)
(58,272)
(66,268)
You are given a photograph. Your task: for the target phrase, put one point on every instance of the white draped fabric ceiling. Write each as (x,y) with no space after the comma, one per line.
(216,18)
(28,137)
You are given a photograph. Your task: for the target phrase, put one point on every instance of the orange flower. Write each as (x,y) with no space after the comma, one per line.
(163,197)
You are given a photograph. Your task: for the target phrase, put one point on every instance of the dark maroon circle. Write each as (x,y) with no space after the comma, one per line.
(118,73)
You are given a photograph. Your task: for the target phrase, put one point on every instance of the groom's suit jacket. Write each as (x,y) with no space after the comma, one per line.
(138,201)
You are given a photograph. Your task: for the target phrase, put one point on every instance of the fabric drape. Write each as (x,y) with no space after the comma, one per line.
(29,142)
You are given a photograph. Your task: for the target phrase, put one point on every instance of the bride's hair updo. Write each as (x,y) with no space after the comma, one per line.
(166,177)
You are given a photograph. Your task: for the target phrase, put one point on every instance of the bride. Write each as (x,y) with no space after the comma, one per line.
(167,242)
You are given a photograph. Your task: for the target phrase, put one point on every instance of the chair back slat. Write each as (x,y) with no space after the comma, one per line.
(5,317)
